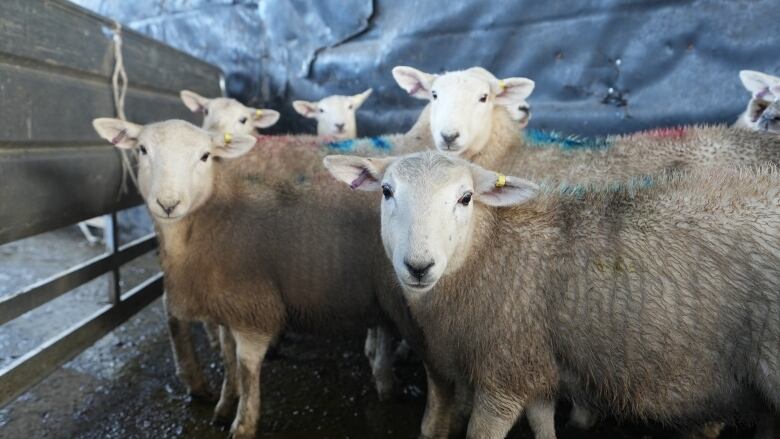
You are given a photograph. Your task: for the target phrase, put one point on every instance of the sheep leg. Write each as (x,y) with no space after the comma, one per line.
(213,334)
(493,415)
(382,363)
(186,360)
(439,407)
(541,418)
(463,401)
(369,348)
(250,350)
(582,417)
(228,398)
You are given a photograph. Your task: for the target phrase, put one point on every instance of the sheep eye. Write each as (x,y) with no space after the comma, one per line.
(321,110)
(350,107)
(387,191)
(435,95)
(242,120)
(483,98)
(142,149)
(205,157)
(205,111)
(465,199)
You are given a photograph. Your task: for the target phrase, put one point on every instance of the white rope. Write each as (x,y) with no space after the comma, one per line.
(119,86)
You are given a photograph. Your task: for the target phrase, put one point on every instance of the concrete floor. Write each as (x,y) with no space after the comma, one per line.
(124,386)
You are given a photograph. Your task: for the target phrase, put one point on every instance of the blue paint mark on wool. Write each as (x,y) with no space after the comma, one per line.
(342,145)
(631,186)
(548,138)
(378,142)
(381,142)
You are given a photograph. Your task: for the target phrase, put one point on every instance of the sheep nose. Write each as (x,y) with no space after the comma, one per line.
(340,127)
(167,206)
(450,138)
(418,270)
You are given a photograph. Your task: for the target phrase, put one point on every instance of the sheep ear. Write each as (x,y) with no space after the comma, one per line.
(121,133)
(757,83)
(415,82)
(358,99)
(497,190)
(229,146)
(306,108)
(513,91)
(263,117)
(360,173)
(195,102)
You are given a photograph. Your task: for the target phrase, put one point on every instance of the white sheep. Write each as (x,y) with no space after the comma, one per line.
(573,284)
(763,109)
(226,115)
(232,256)
(335,114)
(471,111)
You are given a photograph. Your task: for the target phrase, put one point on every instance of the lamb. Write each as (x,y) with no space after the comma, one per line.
(335,114)
(521,289)
(220,115)
(232,256)
(763,110)
(486,134)
(226,115)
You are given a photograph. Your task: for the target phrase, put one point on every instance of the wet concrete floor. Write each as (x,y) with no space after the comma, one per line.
(125,386)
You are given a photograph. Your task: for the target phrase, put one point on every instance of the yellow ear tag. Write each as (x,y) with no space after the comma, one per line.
(501,84)
(501,180)
(258,113)
(228,138)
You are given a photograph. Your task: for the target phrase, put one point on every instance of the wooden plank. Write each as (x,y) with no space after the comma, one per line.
(45,107)
(43,189)
(28,370)
(57,34)
(41,292)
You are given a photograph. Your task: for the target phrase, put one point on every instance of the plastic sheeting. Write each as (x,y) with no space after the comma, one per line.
(601,66)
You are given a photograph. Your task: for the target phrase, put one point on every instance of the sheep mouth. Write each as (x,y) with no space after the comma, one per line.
(166,218)
(418,287)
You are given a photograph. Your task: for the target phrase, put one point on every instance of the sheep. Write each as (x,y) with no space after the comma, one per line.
(486,134)
(468,114)
(220,115)
(226,115)
(521,288)
(763,110)
(234,235)
(335,114)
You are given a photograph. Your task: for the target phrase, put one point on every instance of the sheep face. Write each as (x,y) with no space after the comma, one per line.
(224,115)
(175,161)
(428,208)
(463,104)
(763,111)
(335,115)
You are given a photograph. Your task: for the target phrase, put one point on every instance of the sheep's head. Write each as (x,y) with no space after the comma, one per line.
(463,104)
(763,110)
(225,115)
(428,208)
(175,161)
(335,115)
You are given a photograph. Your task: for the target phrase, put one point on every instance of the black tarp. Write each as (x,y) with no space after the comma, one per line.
(601,66)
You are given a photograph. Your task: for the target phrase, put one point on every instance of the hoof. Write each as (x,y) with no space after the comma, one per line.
(202,396)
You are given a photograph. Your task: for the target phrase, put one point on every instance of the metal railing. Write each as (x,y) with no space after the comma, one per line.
(29,369)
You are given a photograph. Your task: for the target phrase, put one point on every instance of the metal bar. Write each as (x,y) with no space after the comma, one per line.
(28,370)
(111,238)
(39,293)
